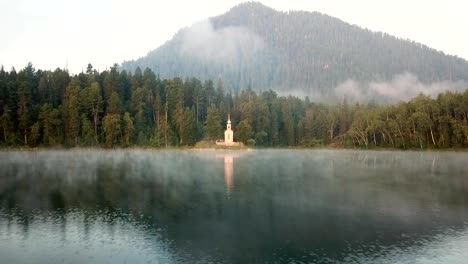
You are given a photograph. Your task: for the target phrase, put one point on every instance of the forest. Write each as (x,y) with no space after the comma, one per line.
(115,108)
(305,52)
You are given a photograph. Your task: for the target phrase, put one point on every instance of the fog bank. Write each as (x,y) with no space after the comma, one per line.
(224,45)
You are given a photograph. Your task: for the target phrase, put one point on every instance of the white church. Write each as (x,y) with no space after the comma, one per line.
(228,136)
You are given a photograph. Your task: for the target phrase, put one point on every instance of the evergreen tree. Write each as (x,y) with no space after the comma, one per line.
(24,111)
(93,103)
(87,133)
(35,134)
(112,129)
(243,131)
(6,120)
(115,105)
(128,129)
(72,112)
(213,128)
(188,128)
(52,125)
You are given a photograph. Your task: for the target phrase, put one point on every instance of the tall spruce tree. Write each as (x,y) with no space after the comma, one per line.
(213,127)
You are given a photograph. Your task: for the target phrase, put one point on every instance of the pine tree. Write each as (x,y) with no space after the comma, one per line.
(87,133)
(24,110)
(188,128)
(6,121)
(52,125)
(213,128)
(243,131)
(93,103)
(35,134)
(128,129)
(115,105)
(72,109)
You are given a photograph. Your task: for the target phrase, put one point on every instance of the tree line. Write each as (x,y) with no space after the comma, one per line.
(116,108)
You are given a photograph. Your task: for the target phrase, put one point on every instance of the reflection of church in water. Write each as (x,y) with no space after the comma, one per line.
(229,158)
(228,172)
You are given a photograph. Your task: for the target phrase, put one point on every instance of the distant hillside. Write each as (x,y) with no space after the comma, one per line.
(254,45)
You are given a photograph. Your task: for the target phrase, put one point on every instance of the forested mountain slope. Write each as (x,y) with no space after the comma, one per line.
(254,45)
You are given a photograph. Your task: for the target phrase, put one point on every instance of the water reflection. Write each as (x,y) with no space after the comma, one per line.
(232,207)
(228,172)
(228,158)
(81,237)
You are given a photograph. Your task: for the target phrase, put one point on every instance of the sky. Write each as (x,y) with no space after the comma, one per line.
(73,33)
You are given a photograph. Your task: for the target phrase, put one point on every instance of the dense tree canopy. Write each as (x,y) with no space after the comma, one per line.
(295,51)
(117,109)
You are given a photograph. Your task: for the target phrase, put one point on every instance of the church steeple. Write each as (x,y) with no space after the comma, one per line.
(228,127)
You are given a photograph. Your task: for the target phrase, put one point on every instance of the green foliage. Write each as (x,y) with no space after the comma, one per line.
(188,128)
(24,109)
(87,133)
(43,108)
(213,128)
(140,107)
(261,138)
(155,139)
(6,120)
(112,129)
(142,139)
(72,111)
(115,105)
(311,143)
(35,134)
(52,125)
(92,102)
(250,142)
(128,129)
(243,132)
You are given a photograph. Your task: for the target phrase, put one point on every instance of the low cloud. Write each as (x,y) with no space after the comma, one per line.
(351,90)
(224,45)
(402,87)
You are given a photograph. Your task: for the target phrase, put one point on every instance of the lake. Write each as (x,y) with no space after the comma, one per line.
(258,206)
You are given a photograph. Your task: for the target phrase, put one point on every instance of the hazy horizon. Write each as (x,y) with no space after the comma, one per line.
(71,34)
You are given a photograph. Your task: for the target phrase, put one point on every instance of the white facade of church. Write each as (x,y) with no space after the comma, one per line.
(228,136)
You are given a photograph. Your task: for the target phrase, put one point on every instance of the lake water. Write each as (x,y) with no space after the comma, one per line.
(262,206)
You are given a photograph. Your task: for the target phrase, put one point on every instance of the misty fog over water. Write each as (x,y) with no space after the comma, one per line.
(259,206)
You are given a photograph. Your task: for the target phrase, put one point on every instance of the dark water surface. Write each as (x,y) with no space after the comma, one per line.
(264,206)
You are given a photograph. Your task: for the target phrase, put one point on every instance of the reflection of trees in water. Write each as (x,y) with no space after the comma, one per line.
(77,236)
(295,201)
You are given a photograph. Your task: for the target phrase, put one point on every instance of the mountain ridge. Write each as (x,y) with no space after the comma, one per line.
(259,47)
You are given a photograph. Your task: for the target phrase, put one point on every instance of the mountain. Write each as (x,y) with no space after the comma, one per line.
(256,46)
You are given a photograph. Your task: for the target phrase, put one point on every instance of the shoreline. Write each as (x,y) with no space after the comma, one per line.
(71,149)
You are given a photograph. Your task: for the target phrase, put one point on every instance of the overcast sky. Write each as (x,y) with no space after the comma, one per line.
(51,32)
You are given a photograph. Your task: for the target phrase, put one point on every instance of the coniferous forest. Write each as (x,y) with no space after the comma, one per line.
(116,108)
(255,45)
